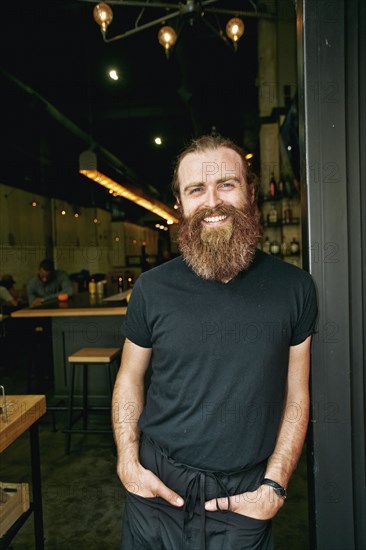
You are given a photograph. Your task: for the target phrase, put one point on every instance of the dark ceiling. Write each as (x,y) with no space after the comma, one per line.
(57,97)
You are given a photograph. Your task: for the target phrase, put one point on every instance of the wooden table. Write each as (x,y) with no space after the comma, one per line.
(23,413)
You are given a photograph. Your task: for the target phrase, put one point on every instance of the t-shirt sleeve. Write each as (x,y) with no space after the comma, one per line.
(5,295)
(136,325)
(305,325)
(31,291)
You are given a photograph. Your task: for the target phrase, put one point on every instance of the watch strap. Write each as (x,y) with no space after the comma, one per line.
(281,491)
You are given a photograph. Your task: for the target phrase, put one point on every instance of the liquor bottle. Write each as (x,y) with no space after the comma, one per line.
(272,215)
(266,246)
(288,187)
(294,247)
(281,187)
(287,213)
(285,249)
(272,188)
(275,248)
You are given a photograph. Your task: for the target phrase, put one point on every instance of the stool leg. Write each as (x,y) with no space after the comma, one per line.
(85,397)
(71,405)
(54,427)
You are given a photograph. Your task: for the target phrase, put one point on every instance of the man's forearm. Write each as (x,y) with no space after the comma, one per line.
(66,287)
(290,440)
(127,405)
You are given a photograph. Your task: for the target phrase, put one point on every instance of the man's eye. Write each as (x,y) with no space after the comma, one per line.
(227,185)
(195,190)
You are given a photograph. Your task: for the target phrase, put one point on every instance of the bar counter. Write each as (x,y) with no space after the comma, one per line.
(80,322)
(82,304)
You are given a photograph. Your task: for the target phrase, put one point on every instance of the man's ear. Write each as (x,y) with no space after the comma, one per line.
(252,193)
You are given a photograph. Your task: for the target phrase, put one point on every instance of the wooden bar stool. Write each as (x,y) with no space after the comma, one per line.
(87,357)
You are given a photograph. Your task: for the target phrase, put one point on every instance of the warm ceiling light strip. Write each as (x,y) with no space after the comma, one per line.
(124,192)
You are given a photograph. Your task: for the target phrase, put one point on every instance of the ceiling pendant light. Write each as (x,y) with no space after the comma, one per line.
(103,15)
(185,10)
(235,30)
(167,38)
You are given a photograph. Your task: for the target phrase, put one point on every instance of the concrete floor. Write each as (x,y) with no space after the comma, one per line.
(83,499)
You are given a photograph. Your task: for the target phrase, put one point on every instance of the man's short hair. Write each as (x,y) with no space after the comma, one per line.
(210,143)
(7,281)
(47,265)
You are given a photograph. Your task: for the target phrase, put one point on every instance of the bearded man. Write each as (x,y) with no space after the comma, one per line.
(206,461)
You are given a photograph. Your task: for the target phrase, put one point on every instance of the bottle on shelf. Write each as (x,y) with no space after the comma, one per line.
(296,187)
(281,187)
(294,247)
(288,187)
(275,248)
(266,247)
(285,248)
(272,188)
(287,213)
(272,216)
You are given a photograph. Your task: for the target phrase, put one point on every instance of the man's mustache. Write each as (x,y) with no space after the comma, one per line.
(222,210)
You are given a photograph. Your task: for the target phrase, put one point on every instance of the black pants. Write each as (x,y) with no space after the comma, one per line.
(154,524)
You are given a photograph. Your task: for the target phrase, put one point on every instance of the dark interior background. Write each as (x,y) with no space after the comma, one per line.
(57,97)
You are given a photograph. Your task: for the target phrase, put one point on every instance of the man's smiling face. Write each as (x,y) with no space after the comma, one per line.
(209,180)
(219,228)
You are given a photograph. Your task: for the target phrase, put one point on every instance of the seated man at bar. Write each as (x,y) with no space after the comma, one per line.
(47,284)
(7,281)
(6,298)
(207,460)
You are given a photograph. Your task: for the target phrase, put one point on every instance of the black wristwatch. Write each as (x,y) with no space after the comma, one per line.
(281,491)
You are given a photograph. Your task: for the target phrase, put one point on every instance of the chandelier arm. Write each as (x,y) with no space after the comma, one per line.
(179,30)
(242,13)
(138,3)
(215,31)
(207,3)
(141,28)
(139,17)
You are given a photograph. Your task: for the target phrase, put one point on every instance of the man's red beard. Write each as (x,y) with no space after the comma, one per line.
(220,253)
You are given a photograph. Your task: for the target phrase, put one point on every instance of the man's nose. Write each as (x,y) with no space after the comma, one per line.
(212,198)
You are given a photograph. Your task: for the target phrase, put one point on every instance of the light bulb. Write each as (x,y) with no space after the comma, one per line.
(235,29)
(103,15)
(167,37)
(113,74)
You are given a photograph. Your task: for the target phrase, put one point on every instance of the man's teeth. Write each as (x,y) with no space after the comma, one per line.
(212,219)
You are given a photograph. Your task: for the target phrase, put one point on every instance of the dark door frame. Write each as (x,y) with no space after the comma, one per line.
(332,90)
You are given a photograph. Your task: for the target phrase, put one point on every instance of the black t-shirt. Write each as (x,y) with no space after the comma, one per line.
(220,357)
